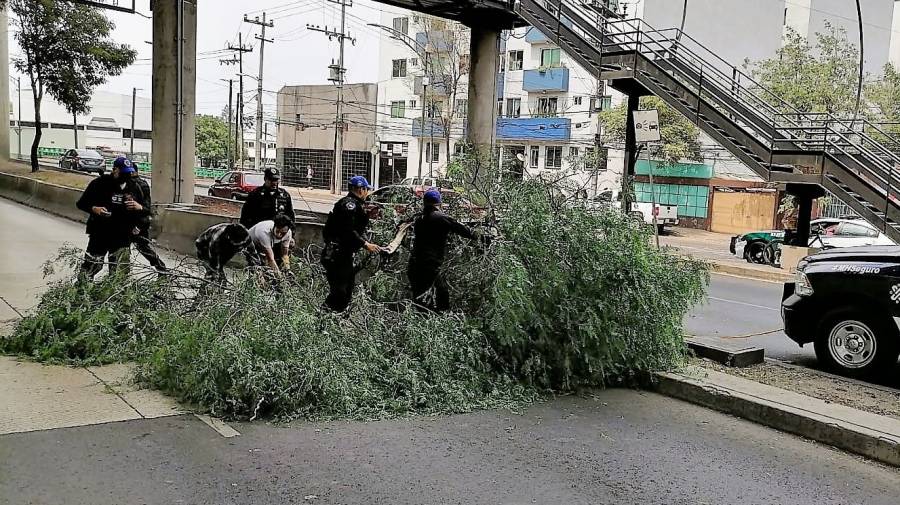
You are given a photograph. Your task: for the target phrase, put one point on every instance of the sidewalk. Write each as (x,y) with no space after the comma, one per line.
(713,248)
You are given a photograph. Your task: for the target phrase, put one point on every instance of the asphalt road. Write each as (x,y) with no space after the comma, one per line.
(736,307)
(620,447)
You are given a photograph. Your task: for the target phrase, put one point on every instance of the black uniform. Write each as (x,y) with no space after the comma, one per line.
(431,231)
(264,204)
(343,235)
(218,244)
(109,235)
(142,241)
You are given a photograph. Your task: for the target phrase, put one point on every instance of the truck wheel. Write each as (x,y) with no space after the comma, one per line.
(854,344)
(754,252)
(660,229)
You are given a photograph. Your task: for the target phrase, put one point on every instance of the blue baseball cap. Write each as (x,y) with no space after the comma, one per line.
(432,196)
(359,181)
(124,165)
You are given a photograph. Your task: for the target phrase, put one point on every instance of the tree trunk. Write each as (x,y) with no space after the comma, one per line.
(37,134)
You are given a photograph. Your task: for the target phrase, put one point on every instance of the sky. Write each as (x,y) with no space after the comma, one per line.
(298,56)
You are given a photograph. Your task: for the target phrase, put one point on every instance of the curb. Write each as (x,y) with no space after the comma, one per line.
(870,435)
(752,273)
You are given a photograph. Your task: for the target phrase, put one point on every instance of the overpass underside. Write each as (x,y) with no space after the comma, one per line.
(495,13)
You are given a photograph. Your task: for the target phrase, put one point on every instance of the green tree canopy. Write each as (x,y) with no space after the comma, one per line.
(66,52)
(213,140)
(818,77)
(680,137)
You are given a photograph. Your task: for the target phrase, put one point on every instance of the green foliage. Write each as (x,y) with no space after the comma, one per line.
(680,137)
(213,140)
(66,52)
(820,77)
(563,297)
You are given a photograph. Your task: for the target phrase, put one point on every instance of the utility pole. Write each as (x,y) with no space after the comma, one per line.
(227,142)
(337,77)
(19,119)
(240,49)
(75,123)
(133,100)
(259,82)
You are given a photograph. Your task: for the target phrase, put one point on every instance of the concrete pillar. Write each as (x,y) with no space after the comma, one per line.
(804,194)
(4,84)
(631,154)
(173,175)
(484,64)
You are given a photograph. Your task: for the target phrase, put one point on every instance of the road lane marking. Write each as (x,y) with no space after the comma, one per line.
(217,424)
(726,300)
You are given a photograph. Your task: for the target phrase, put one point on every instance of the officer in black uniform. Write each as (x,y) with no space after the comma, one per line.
(141,239)
(267,201)
(431,231)
(344,235)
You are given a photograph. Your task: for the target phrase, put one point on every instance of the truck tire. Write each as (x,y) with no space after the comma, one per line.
(852,343)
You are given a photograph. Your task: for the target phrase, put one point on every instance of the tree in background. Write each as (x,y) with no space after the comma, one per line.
(680,137)
(66,53)
(818,77)
(883,99)
(213,140)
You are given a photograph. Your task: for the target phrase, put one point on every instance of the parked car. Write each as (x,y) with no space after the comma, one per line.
(847,303)
(666,215)
(403,198)
(428,182)
(83,160)
(236,185)
(826,233)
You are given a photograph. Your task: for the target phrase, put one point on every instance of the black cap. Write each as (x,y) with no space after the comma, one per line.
(273,174)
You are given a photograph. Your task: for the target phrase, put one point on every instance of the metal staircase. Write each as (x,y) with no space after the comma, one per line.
(849,159)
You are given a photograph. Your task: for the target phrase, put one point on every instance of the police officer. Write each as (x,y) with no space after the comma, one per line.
(141,234)
(343,235)
(267,201)
(431,230)
(113,212)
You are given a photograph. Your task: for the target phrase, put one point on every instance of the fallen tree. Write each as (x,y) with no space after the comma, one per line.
(565,297)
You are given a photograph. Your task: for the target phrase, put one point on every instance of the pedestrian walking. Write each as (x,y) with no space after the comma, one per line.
(272,241)
(267,201)
(309,176)
(113,211)
(344,234)
(431,231)
(141,233)
(218,245)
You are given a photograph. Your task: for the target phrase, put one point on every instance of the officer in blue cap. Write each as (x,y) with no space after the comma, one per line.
(344,234)
(431,230)
(114,208)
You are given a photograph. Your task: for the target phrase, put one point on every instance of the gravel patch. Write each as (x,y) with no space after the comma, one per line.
(871,398)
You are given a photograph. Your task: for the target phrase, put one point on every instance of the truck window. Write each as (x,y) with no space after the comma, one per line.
(856,230)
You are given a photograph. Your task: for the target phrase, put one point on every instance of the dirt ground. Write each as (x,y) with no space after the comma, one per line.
(879,400)
(68,179)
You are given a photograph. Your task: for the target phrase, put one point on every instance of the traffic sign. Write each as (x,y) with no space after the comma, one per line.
(646,125)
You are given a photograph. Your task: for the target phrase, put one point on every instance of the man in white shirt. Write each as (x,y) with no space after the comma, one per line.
(272,240)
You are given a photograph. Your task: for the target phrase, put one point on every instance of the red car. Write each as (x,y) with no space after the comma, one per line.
(236,185)
(402,197)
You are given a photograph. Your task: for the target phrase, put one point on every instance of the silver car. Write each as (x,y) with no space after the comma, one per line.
(83,160)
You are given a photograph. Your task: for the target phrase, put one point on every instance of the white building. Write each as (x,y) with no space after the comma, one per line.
(547,105)
(107,127)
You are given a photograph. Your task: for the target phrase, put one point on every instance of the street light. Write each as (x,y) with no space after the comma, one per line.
(422,52)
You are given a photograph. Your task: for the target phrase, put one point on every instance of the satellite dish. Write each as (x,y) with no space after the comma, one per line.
(520,157)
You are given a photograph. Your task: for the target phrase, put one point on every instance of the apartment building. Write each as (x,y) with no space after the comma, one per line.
(547,105)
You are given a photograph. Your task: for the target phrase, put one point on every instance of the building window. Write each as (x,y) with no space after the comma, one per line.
(547,106)
(434,109)
(463,64)
(516,60)
(401,25)
(600,103)
(398,109)
(573,152)
(414,62)
(550,58)
(499,107)
(513,107)
(399,69)
(577,100)
(502,63)
(462,107)
(251,145)
(554,157)
(535,156)
(433,152)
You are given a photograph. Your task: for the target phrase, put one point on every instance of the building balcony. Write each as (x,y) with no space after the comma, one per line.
(543,128)
(433,127)
(535,36)
(436,88)
(549,79)
(438,41)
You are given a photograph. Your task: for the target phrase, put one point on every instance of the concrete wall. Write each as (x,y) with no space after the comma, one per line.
(314,106)
(173,229)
